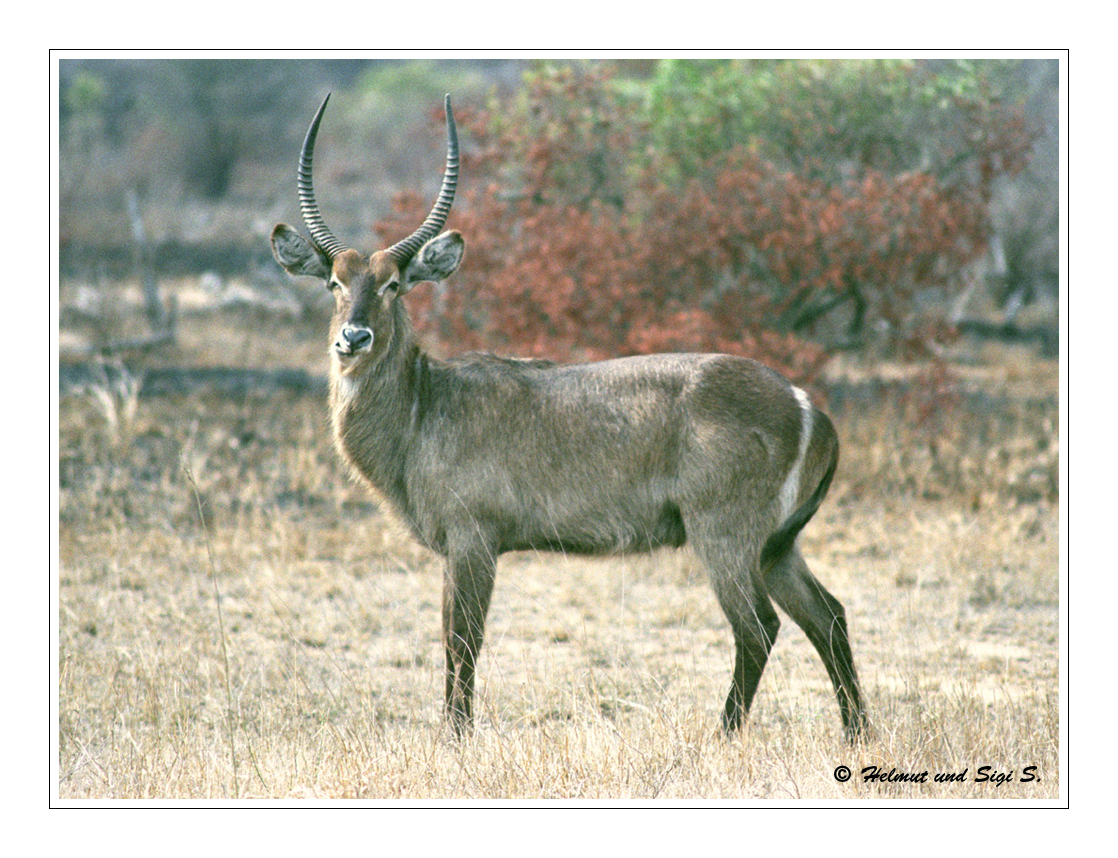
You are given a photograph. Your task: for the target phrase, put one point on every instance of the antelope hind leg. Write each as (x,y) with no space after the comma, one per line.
(823,619)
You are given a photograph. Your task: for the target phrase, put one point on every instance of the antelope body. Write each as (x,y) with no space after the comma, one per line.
(480,455)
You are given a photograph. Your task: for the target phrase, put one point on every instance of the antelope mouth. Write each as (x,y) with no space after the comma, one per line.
(346,357)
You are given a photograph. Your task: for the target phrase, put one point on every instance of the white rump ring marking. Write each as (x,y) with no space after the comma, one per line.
(791,488)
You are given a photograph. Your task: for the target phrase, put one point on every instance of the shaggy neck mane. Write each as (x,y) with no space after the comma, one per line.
(372,409)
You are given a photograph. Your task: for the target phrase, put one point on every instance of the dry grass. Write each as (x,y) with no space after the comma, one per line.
(322,675)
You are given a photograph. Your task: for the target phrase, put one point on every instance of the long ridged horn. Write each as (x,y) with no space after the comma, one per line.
(311,215)
(403,251)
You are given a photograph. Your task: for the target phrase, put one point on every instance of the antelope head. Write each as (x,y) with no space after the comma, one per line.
(366,287)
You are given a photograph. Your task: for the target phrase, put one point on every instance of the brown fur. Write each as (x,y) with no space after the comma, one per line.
(480,455)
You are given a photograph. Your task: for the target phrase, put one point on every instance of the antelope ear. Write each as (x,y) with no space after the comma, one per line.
(435,261)
(297,255)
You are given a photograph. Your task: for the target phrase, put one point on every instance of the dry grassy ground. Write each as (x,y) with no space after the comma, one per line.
(237,619)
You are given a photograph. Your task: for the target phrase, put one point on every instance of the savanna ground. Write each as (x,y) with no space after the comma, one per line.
(238,620)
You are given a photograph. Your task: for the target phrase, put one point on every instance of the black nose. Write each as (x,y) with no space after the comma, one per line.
(356,339)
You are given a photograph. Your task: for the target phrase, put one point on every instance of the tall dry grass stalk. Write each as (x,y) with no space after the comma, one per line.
(230,708)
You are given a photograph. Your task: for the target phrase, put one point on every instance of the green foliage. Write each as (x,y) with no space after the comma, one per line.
(82,98)
(829,116)
(412,80)
(84,94)
(389,90)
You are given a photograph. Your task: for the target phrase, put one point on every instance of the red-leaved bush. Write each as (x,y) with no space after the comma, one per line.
(580,246)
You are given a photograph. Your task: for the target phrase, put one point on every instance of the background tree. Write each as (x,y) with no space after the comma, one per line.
(776,209)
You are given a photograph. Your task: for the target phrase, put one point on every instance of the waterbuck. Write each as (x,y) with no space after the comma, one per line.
(480,455)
